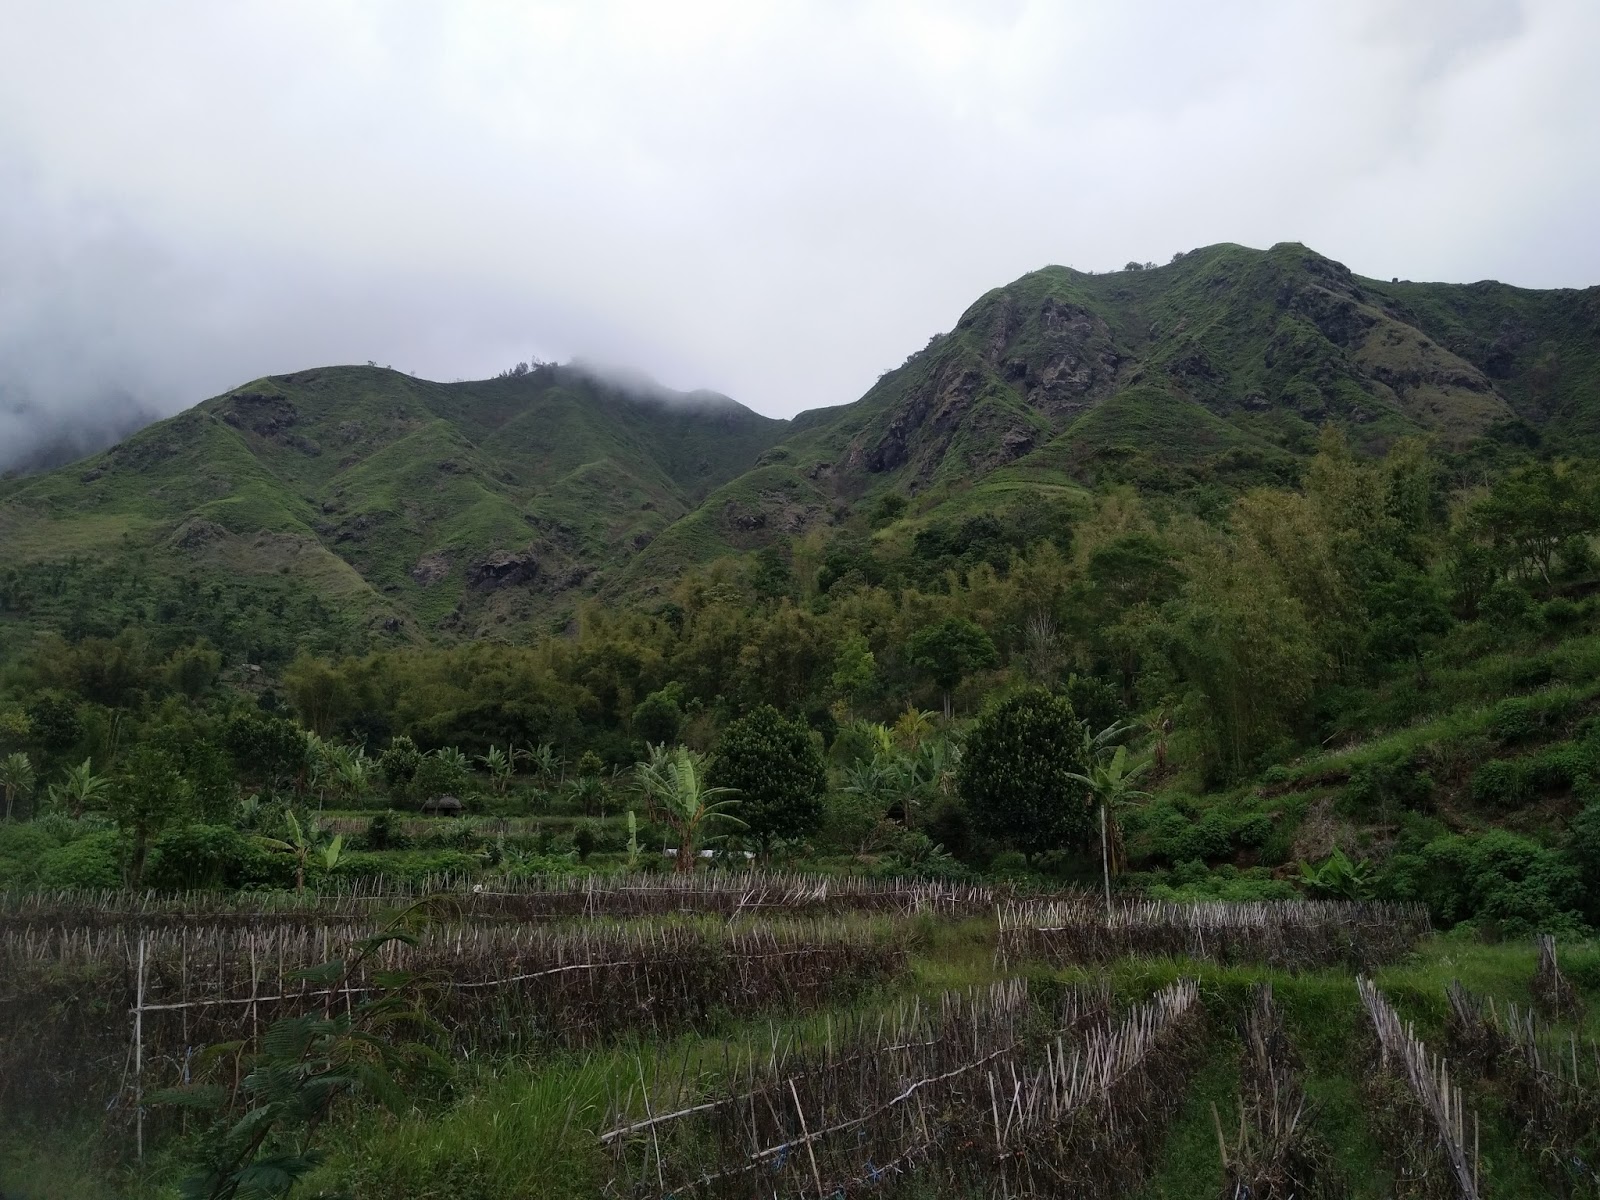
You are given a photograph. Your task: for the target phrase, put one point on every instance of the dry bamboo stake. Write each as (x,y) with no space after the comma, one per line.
(1428,1078)
(138,1058)
(805,1133)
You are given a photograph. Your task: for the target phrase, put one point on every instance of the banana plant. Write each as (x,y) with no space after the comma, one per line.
(81,789)
(1338,876)
(498,763)
(590,793)
(353,777)
(307,844)
(633,841)
(1111,783)
(16,778)
(690,807)
(544,760)
(912,726)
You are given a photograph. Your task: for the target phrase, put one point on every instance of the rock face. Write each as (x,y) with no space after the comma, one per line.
(502,570)
(1009,357)
(198,532)
(770,512)
(269,415)
(431,568)
(263,413)
(1235,331)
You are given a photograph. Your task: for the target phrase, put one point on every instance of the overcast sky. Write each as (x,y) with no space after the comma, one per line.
(777,201)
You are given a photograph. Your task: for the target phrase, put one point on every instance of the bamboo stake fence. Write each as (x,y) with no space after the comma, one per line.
(1289,934)
(105,1015)
(1553,993)
(730,894)
(1431,1142)
(1550,1083)
(1276,1154)
(977,1095)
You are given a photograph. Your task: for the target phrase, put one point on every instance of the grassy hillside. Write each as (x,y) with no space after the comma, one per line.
(428,510)
(414,508)
(1223,362)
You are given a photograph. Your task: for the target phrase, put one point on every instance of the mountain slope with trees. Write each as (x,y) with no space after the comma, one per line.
(1360,660)
(1210,374)
(358,503)
(373,502)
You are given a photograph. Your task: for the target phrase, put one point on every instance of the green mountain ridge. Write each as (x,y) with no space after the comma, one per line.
(426,507)
(422,509)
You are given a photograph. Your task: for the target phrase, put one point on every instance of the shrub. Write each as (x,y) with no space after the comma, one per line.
(25,840)
(1193,882)
(1577,557)
(198,856)
(1507,604)
(1507,881)
(1559,769)
(1515,720)
(1560,613)
(1279,844)
(659,716)
(405,866)
(94,861)
(1387,784)
(1253,831)
(777,773)
(1017,774)
(1162,832)
(1500,783)
(585,840)
(18,875)
(1525,673)
(1009,862)
(384,832)
(1211,838)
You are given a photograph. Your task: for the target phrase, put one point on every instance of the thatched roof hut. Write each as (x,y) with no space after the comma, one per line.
(444,806)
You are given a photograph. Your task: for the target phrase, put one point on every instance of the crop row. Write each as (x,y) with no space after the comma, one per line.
(532,899)
(80,1008)
(1421,1112)
(1548,1083)
(975,1098)
(1289,934)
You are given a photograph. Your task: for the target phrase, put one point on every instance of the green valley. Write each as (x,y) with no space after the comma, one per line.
(1084,765)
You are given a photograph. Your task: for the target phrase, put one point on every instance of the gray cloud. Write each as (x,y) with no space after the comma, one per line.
(772,201)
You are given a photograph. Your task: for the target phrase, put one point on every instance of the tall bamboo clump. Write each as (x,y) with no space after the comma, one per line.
(1276,1154)
(968,1104)
(540,898)
(73,1002)
(1550,1084)
(1429,1133)
(1289,934)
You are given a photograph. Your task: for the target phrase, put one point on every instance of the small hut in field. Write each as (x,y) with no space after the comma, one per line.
(443,806)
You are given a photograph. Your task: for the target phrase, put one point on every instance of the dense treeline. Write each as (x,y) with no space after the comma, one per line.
(1221,648)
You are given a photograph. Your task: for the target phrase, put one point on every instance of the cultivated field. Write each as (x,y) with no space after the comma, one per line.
(744,1035)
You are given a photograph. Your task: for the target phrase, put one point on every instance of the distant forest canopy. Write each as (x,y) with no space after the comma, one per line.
(1242,630)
